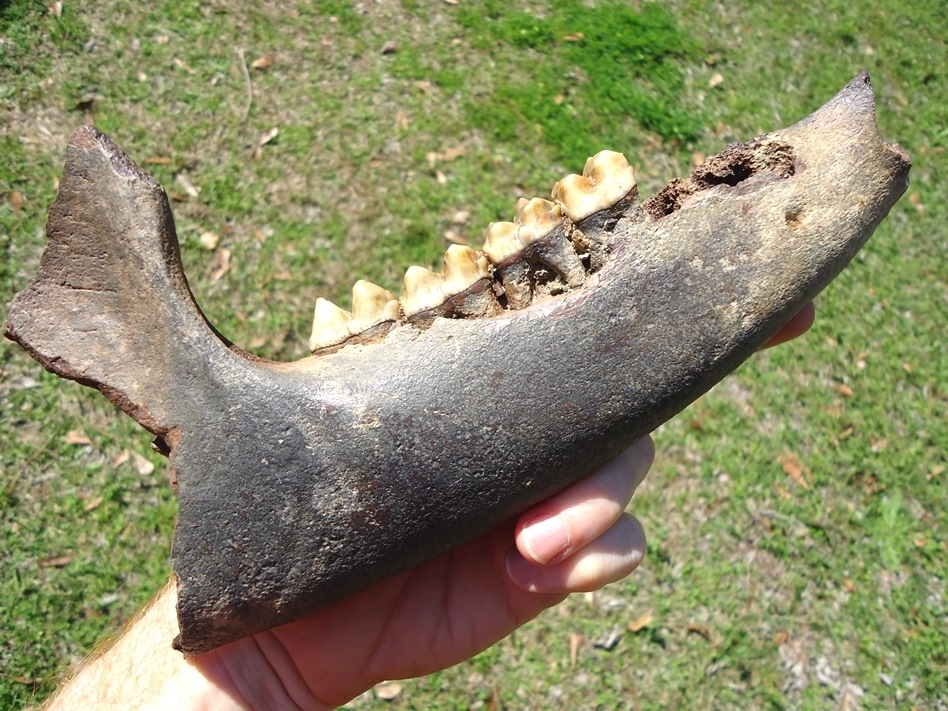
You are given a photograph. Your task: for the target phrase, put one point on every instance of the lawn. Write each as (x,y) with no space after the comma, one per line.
(797,514)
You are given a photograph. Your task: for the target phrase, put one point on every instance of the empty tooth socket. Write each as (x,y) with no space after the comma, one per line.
(330,326)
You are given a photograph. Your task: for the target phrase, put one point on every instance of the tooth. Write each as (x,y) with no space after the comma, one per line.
(329,325)
(606,179)
(422,290)
(501,242)
(371,305)
(537,218)
(463,267)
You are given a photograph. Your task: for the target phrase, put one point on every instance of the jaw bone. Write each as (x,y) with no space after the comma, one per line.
(301,483)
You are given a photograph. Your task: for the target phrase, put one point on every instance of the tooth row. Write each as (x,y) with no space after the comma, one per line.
(371,306)
(606,179)
(541,237)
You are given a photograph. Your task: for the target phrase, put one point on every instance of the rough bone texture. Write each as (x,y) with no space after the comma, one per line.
(301,483)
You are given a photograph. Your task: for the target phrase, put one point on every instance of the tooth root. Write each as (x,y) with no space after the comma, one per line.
(606,179)
(537,219)
(423,291)
(501,242)
(330,325)
(463,267)
(371,305)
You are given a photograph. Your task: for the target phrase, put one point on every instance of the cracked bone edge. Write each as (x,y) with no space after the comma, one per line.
(371,305)
(330,325)
(606,179)
(423,291)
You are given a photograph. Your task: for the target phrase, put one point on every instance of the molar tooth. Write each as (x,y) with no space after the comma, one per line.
(606,179)
(537,219)
(371,305)
(463,267)
(423,290)
(501,241)
(330,325)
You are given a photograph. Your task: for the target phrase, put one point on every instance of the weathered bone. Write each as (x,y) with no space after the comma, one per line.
(303,482)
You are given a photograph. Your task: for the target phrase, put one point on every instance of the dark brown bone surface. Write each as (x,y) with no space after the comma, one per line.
(303,482)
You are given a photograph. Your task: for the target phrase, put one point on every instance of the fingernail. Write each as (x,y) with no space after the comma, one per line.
(546,540)
(520,570)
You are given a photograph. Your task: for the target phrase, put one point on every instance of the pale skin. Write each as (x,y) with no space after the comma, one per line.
(423,620)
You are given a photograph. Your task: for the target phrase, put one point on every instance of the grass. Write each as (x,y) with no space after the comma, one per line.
(757,592)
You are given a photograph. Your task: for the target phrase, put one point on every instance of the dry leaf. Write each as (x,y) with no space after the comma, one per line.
(575,642)
(268,136)
(716,80)
(122,457)
(144,466)
(698,158)
(56,10)
(158,160)
(848,585)
(793,468)
(844,390)
(77,437)
(455,237)
(388,690)
(453,153)
(641,623)
(93,503)
(209,240)
(141,76)
(223,264)
(698,629)
(460,217)
(781,638)
(441,178)
(263,62)
(937,471)
(573,37)
(16,202)
(185,182)
(401,119)
(57,561)
(390,47)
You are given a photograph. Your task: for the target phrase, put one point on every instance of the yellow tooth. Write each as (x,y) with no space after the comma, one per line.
(371,305)
(537,218)
(606,179)
(329,325)
(422,290)
(501,242)
(463,267)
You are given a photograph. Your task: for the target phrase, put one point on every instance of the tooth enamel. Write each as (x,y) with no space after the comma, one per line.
(371,305)
(423,290)
(330,325)
(537,219)
(463,267)
(606,179)
(501,242)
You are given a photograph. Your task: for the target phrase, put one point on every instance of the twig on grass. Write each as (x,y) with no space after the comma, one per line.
(249,83)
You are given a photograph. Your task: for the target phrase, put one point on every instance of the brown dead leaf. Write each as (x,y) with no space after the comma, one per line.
(209,240)
(781,638)
(401,119)
(848,585)
(388,690)
(122,457)
(264,62)
(716,80)
(185,182)
(937,471)
(574,37)
(452,153)
(844,390)
(641,623)
(575,642)
(16,202)
(77,437)
(223,264)
(56,10)
(93,504)
(441,178)
(390,47)
(55,561)
(455,237)
(144,466)
(793,468)
(158,160)
(460,217)
(700,630)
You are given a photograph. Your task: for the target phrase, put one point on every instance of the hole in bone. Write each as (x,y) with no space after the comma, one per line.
(732,166)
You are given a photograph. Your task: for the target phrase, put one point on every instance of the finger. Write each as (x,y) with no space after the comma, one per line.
(796,326)
(569,521)
(611,557)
